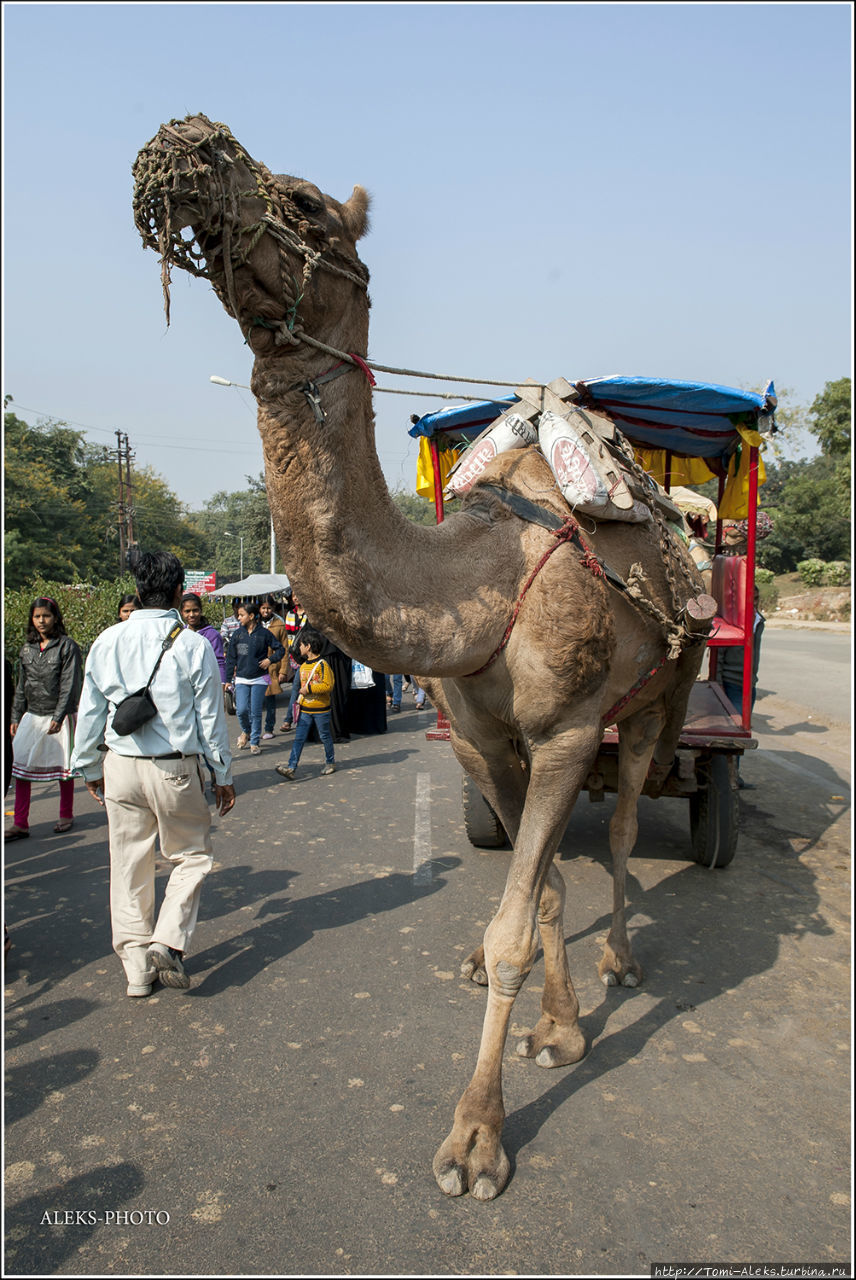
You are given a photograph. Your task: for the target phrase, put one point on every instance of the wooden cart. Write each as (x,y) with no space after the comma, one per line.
(677,421)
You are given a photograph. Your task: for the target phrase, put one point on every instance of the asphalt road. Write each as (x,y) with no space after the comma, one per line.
(284,1112)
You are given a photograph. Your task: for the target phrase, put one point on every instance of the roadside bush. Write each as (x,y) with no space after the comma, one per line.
(768,597)
(837,573)
(86,610)
(764,576)
(811,571)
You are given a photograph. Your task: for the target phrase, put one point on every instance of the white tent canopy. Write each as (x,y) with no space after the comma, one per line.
(257,584)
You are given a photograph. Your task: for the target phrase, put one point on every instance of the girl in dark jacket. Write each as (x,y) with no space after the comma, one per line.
(252,649)
(43,713)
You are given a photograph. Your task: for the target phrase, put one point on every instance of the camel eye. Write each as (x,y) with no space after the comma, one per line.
(307,204)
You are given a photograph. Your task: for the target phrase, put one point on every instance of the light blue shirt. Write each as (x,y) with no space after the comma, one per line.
(187,692)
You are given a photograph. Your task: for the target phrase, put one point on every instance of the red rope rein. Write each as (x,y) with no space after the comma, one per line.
(569,530)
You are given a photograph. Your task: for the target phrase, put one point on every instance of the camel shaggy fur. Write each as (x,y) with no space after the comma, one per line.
(282,257)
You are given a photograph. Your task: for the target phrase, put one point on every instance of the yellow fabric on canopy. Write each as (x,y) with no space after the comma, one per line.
(693,471)
(683,470)
(735,499)
(425,468)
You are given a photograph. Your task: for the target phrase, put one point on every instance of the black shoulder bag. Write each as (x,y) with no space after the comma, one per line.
(138,708)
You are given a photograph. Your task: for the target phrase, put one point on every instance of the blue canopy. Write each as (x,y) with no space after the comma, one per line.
(697,419)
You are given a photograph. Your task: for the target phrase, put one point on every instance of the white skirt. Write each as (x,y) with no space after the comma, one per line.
(40,756)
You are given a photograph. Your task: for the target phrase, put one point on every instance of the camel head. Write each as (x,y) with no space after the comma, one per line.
(280,255)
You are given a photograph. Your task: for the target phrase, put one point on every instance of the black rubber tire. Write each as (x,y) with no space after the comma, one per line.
(714,813)
(483,827)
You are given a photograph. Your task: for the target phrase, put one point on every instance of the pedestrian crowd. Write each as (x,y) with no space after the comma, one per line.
(148,709)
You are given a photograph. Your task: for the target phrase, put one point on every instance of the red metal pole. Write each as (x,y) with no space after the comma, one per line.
(749,606)
(713,657)
(442,729)
(438,483)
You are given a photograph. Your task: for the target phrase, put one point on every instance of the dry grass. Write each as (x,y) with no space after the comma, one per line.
(815,604)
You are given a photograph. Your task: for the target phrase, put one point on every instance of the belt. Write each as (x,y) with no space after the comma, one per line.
(171,755)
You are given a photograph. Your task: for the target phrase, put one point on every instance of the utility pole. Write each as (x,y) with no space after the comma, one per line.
(125,503)
(121,504)
(132,542)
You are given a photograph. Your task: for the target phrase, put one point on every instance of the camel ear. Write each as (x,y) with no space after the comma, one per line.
(355,213)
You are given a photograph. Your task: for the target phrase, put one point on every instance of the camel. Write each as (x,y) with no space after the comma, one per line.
(526,708)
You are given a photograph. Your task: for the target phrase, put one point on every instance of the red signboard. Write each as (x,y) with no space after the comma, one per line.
(200,582)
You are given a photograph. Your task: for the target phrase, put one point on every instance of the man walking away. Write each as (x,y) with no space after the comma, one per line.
(149,779)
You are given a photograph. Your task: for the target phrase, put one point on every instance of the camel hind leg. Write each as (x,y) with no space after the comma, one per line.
(638,736)
(557,1040)
(495,767)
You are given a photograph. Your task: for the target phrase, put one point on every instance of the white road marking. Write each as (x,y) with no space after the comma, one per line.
(423,871)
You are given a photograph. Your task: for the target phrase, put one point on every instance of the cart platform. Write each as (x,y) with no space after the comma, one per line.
(711,721)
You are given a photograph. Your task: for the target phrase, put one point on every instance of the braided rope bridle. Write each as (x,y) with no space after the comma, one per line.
(173,171)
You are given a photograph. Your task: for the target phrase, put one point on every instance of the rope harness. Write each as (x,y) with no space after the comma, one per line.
(676,634)
(172,172)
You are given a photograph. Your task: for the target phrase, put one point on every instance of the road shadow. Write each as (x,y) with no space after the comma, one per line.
(762,723)
(23,1024)
(57,904)
(37,1247)
(27,1087)
(289,923)
(263,775)
(697,934)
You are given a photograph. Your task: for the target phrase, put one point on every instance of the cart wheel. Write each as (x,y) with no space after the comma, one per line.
(713,813)
(483,827)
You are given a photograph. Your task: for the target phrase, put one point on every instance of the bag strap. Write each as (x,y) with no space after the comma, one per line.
(167,644)
(312,672)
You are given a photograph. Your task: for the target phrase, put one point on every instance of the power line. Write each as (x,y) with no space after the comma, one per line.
(187,448)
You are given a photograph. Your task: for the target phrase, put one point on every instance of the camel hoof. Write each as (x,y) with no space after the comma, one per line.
(452,1183)
(630,980)
(526,1047)
(473,968)
(547,1057)
(610,978)
(485,1189)
(483,1170)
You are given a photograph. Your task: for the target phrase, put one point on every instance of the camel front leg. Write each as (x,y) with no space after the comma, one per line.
(638,736)
(472,1157)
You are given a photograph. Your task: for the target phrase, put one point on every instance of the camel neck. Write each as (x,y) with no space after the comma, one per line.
(382,588)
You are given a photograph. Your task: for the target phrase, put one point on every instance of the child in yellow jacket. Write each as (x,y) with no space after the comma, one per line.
(316,685)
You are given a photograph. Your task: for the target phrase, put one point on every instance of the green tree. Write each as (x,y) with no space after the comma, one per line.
(417,509)
(832,415)
(228,517)
(61,510)
(86,609)
(809,503)
(48,500)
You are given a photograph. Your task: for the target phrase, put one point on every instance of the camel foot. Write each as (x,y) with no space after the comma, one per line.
(473,967)
(472,1159)
(619,970)
(553,1045)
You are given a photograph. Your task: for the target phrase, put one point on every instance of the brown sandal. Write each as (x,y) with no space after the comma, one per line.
(63,826)
(16,833)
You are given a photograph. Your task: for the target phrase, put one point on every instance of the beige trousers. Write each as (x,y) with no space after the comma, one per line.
(146,799)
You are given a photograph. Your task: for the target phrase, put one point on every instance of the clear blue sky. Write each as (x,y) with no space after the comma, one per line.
(558,189)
